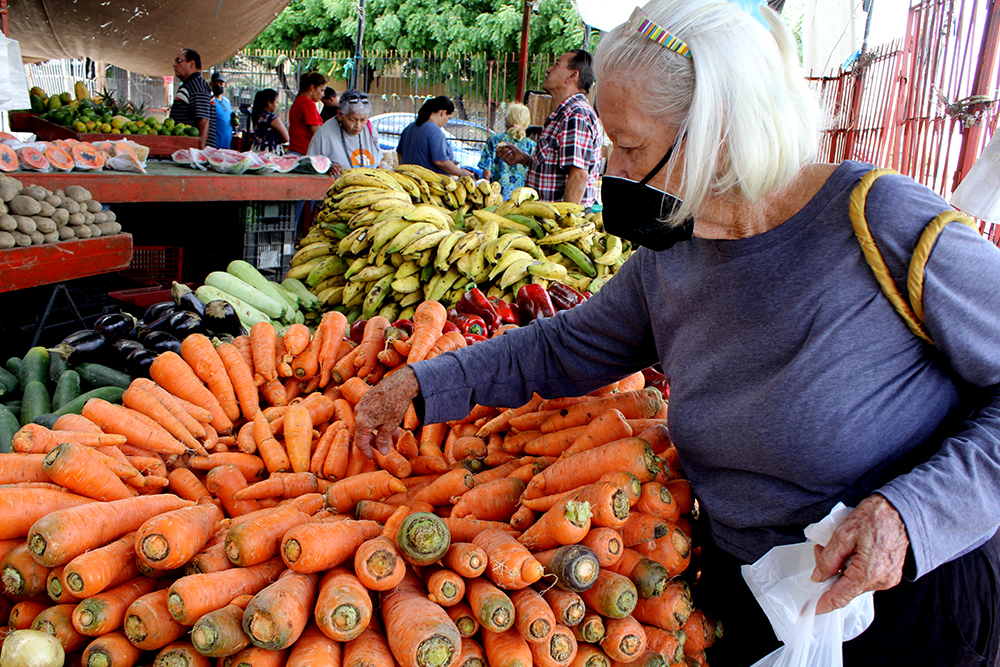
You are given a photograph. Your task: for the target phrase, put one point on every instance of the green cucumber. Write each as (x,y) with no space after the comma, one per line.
(48,420)
(36,402)
(109,394)
(13,365)
(16,403)
(57,364)
(249,274)
(34,367)
(8,427)
(67,388)
(248,314)
(8,381)
(97,375)
(247,293)
(306,298)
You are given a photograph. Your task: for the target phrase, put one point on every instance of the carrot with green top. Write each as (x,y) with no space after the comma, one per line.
(533,617)
(558,650)
(507,649)
(668,643)
(171,372)
(148,623)
(612,595)
(224,482)
(673,550)
(56,621)
(219,633)
(22,575)
(259,539)
(181,653)
(343,605)
(55,587)
(624,639)
(465,620)
(110,650)
(193,595)
(315,547)
(343,495)
(241,377)
(278,614)
(99,569)
(590,629)
(640,404)
(420,632)
(566,523)
(492,607)
(104,612)
(422,538)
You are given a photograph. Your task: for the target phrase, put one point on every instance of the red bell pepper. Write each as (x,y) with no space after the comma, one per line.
(469,324)
(358,331)
(471,338)
(474,302)
(565,297)
(450,326)
(507,311)
(534,303)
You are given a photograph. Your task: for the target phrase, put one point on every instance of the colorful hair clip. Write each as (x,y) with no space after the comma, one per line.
(657,33)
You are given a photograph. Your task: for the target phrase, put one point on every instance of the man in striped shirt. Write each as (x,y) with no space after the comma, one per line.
(193,101)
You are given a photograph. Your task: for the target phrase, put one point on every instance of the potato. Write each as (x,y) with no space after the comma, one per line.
(11,181)
(77,219)
(88,216)
(51,237)
(78,193)
(47,209)
(94,229)
(36,192)
(54,200)
(25,205)
(82,231)
(25,225)
(109,228)
(93,206)
(66,232)
(7,223)
(3,209)
(60,216)
(45,225)
(100,218)
(110,215)
(60,193)
(71,205)
(7,192)
(37,238)
(21,239)
(7,240)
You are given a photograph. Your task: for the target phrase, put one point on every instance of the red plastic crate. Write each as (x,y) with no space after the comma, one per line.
(155,264)
(144,296)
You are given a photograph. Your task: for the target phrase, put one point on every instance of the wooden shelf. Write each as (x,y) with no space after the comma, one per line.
(67,260)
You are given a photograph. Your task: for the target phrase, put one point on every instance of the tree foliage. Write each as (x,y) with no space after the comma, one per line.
(491,27)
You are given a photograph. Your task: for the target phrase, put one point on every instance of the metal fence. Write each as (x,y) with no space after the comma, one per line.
(151,94)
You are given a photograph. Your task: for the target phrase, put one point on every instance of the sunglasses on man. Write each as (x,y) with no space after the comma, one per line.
(350,99)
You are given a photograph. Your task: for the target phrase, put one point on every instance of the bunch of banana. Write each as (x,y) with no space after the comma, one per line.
(387,240)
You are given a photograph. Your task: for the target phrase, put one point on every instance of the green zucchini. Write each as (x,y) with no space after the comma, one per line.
(34,367)
(48,420)
(67,388)
(8,427)
(97,375)
(57,364)
(109,394)
(13,365)
(8,381)
(36,402)
(15,403)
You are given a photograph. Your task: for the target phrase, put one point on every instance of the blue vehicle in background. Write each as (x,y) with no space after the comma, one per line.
(466,138)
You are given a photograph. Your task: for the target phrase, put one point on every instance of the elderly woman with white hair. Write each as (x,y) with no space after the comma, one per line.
(349,139)
(796,380)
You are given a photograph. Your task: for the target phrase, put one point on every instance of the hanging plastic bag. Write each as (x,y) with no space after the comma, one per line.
(781,583)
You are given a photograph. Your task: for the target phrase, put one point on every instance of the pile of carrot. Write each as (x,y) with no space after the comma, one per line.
(222,516)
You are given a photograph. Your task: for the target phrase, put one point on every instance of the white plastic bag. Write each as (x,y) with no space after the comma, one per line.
(782,585)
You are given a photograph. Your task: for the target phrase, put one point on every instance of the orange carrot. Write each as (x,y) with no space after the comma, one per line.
(344,369)
(258,539)
(338,457)
(566,523)
(24,613)
(590,629)
(420,633)
(251,467)
(448,342)
(450,485)
(241,377)
(296,339)
(181,410)
(343,606)
(588,655)
(148,624)
(641,527)
(201,356)
(669,610)
(111,650)
(332,327)
(368,648)
(607,427)
(22,575)
(274,455)
(343,495)
(507,649)
(104,612)
(493,501)
(701,632)
(278,614)
(354,389)
(680,491)
(57,621)
(274,392)
(314,547)
(83,471)
(624,639)
(185,484)
(501,421)
(655,500)
(533,616)
(673,550)
(558,650)
(567,606)
(114,419)
(394,463)
(181,653)
(283,367)
(322,449)
(670,644)
(94,571)
(464,619)
(298,437)
(522,519)
(263,346)
(224,482)
(64,534)
(464,530)
(444,587)
(20,508)
(314,649)
(171,539)
(193,595)
(468,447)
(606,543)
(428,323)
(139,399)
(465,558)
(212,558)
(473,654)
(55,586)
(612,595)
(511,566)
(629,454)
(633,405)
(253,656)
(371,344)
(172,373)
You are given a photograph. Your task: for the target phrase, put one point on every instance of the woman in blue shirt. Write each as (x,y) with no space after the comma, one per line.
(423,142)
(510,177)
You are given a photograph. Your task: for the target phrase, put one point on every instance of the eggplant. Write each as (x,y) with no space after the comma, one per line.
(161,341)
(184,322)
(138,361)
(84,345)
(115,326)
(221,318)
(185,299)
(158,310)
(125,346)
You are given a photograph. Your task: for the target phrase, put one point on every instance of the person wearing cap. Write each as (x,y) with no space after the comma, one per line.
(223,110)
(348,139)
(193,101)
(330,102)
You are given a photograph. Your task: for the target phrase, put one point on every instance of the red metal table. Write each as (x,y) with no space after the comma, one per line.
(58,262)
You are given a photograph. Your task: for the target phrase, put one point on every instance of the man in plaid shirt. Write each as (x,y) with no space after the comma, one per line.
(567,157)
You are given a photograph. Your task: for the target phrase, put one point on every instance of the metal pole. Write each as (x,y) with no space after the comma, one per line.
(972,136)
(358,42)
(586,37)
(522,63)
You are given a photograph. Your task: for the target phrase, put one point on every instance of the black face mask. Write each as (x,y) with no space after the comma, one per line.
(217,89)
(635,211)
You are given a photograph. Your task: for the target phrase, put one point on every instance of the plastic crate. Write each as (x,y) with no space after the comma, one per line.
(155,264)
(269,236)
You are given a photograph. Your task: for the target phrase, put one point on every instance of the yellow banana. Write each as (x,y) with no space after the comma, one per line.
(331,296)
(407,269)
(414,231)
(567,235)
(302,271)
(539,209)
(412,299)
(344,247)
(508,258)
(425,242)
(386,202)
(548,270)
(311,252)
(515,272)
(467,243)
(523,194)
(385,231)
(428,213)
(406,285)
(445,247)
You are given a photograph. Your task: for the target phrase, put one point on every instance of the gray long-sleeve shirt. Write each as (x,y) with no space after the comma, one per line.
(794,384)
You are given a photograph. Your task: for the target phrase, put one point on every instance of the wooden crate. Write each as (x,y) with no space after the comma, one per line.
(160,145)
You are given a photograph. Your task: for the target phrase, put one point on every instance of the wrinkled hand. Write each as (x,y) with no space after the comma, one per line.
(382,409)
(336,169)
(513,155)
(874,538)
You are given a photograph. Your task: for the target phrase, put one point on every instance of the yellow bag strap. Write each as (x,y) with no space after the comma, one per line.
(912,312)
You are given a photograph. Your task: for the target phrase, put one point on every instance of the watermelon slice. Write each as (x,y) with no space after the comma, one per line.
(59,158)
(259,165)
(228,161)
(183,156)
(284,163)
(314,164)
(32,158)
(87,157)
(8,158)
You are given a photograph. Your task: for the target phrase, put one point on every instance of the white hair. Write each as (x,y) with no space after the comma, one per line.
(741,102)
